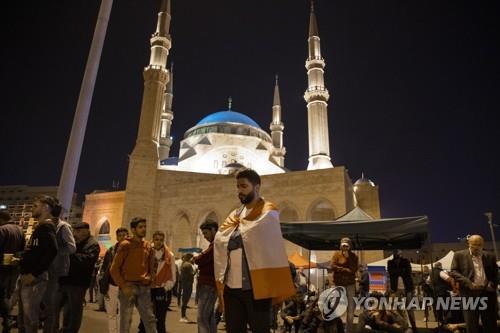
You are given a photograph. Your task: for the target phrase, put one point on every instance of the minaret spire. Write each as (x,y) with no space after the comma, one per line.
(313,24)
(277,127)
(316,97)
(155,101)
(167,115)
(160,40)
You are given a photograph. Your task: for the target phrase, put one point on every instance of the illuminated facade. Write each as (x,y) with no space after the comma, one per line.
(176,194)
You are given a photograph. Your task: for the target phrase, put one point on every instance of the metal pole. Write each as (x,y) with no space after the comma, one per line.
(489,215)
(75,143)
(309,274)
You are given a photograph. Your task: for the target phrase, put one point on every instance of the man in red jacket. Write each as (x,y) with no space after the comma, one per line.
(206,291)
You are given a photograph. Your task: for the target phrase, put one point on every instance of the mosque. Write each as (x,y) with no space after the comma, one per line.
(176,194)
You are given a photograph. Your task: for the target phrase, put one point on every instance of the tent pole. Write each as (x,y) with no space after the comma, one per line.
(309,273)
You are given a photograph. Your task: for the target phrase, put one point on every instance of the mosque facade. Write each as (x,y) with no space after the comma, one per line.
(176,194)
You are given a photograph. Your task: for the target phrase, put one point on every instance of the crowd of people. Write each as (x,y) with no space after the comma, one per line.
(47,276)
(243,278)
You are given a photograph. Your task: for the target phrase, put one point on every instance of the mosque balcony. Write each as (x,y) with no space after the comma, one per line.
(155,73)
(315,62)
(316,92)
(163,41)
(279,152)
(167,114)
(166,141)
(277,127)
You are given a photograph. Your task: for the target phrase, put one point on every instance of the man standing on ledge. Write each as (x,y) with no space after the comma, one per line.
(250,262)
(477,273)
(132,271)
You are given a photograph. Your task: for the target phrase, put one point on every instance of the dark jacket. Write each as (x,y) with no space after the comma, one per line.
(205,262)
(82,264)
(187,273)
(400,267)
(440,286)
(40,250)
(105,280)
(11,239)
(462,269)
(364,282)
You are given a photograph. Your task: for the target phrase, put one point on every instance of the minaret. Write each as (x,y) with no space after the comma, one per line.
(144,160)
(155,79)
(167,116)
(316,97)
(277,127)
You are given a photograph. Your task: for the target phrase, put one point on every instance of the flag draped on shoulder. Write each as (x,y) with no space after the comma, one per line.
(264,249)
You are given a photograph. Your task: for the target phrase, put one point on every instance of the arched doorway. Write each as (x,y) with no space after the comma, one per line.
(289,214)
(103,235)
(181,234)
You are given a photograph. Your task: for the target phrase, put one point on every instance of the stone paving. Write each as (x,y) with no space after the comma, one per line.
(96,321)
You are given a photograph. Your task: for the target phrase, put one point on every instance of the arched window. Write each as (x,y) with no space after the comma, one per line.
(322,210)
(105,228)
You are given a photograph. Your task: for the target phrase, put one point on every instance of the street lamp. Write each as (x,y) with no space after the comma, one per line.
(489,215)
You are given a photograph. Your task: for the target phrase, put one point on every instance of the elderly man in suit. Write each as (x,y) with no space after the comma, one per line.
(477,274)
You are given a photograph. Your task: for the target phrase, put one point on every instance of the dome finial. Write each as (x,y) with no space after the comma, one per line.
(229,103)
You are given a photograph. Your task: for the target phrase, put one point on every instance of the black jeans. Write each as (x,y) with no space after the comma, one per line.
(241,309)
(187,290)
(488,316)
(72,305)
(159,300)
(8,278)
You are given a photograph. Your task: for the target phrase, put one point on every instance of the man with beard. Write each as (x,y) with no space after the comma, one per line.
(74,286)
(11,246)
(476,272)
(39,254)
(132,270)
(250,262)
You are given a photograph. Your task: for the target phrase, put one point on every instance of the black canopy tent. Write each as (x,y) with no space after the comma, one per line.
(381,234)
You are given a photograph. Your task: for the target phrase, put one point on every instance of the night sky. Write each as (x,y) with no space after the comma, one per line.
(414,88)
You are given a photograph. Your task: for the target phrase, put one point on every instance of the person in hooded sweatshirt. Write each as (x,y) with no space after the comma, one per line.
(40,251)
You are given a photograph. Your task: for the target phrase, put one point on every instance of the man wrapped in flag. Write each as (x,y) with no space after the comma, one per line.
(250,263)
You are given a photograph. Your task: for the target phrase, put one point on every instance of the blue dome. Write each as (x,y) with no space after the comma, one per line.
(228,117)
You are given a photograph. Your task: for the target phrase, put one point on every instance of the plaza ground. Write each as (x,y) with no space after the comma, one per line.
(96,321)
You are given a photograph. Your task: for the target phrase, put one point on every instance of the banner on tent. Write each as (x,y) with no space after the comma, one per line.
(378,279)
